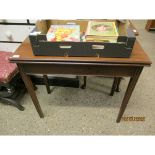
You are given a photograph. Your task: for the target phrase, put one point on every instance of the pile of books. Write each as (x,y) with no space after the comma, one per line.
(98,31)
(58,33)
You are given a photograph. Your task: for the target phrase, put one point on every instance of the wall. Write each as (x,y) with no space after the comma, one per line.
(13,32)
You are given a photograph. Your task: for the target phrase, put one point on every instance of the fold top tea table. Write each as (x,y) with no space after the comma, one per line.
(88,66)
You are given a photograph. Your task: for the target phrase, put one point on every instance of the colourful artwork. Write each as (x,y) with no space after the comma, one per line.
(102,29)
(64,33)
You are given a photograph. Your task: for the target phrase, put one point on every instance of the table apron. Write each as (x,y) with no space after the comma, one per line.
(99,70)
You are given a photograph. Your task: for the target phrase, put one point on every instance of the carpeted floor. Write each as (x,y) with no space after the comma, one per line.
(92,111)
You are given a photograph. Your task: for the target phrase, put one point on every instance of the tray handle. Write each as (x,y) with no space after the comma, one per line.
(65,46)
(98,47)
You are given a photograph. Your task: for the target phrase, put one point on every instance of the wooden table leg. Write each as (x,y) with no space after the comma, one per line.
(114,85)
(45,77)
(130,88)
(85,81)
(29,86)
(118,85)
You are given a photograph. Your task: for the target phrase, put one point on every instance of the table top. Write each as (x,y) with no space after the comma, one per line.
(24,54)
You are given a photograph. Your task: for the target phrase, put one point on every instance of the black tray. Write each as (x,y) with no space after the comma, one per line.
(122,48)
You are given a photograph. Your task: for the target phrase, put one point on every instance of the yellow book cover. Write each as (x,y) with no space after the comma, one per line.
(63,33)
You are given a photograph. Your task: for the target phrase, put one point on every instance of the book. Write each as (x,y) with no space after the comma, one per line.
(101,31)
(63,33)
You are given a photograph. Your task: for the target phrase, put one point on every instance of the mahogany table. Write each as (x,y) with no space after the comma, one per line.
(87,66)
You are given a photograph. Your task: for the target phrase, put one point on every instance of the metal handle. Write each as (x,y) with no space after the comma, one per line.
(99,47)
(65,46)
